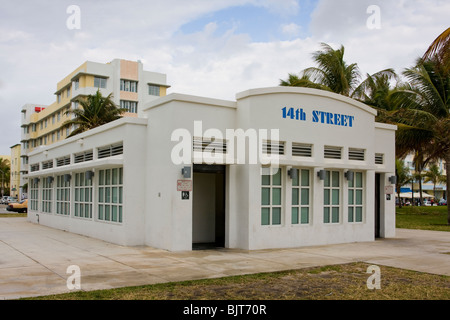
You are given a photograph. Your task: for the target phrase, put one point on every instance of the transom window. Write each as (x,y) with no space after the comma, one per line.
(271,193)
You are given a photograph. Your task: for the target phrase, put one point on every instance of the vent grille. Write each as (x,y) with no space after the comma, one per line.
(63,161)
(273,147)
(301,150)
(34,167)
(356,154)
(332,152)
(110,151)
(83,157)
(379,158)
(218,145)
(47,164)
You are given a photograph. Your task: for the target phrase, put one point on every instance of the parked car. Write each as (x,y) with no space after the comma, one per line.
(11,200)
(427,202)
(20,207)
(4,200)
(442,202)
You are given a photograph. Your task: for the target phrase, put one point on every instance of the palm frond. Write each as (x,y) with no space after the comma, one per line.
(95,110)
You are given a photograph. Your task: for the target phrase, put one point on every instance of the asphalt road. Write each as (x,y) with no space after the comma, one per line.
(3,209)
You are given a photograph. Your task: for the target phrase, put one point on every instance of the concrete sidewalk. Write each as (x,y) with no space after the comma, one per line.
(34,259)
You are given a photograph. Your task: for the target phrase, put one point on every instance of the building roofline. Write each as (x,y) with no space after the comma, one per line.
(159,84)
(108,126)
(190,99)
(380,125)
(304,91)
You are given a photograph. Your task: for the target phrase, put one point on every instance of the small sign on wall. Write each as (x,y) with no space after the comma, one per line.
(184,185)
(184,195)
(389,190)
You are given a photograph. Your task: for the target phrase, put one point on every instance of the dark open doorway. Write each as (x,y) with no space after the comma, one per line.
(377,204)
(208,207)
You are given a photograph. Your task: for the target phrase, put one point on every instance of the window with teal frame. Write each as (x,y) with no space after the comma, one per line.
(62,195)
(83,196)
(47,195)
(110,195)
(355,198)
(300,206)
(271,196)
(332,197)
(34,194)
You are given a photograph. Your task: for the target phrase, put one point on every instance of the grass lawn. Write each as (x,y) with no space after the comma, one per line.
(13,215)
(337,282)
(425,218)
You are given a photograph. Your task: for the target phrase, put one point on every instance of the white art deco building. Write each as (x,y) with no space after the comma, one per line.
(278,167)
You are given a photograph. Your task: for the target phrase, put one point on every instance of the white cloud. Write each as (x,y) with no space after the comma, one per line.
(291,29)
(9,35)
(37,50)
(407,29)
(281,7)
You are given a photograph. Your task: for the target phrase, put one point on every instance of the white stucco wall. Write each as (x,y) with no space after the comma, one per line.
(127,130)
(157,216)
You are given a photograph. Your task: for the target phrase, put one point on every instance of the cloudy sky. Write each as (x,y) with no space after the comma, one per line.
(212,48)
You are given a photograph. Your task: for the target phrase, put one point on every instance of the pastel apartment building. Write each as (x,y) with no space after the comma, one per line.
(15,182)
(130,85)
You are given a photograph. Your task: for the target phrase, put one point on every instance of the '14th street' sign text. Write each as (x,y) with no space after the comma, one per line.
(330,118)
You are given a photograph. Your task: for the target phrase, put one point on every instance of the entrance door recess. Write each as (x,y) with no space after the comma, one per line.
(208,207)
(378,194)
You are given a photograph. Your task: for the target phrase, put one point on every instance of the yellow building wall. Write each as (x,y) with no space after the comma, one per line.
(15,171)
(88,81)
(67,80)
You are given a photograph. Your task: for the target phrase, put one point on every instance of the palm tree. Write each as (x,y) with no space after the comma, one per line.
(303,81)
(96,110)
(435,176)
(376,90)
(5,170)
(403,177)
(424,117)
(332,72)
(440,49)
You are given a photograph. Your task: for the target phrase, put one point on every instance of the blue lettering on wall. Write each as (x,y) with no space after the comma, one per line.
(294,114)
(336,119)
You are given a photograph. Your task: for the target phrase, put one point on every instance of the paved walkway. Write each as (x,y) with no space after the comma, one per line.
(34,259)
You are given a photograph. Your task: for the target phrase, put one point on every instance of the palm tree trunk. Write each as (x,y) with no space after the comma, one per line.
(398,188)
(447,168)
(420,192)
(434,191)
